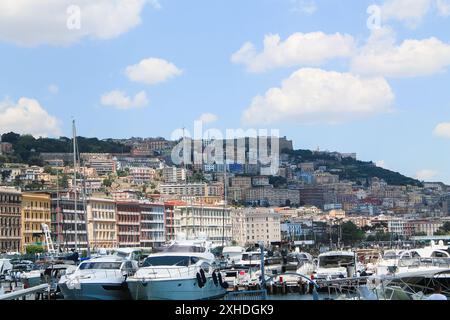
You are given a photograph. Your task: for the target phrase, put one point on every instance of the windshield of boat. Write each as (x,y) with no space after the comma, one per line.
(100,265)
(179,248)
(251,256)
(180,261)
(335,261)
(391,255)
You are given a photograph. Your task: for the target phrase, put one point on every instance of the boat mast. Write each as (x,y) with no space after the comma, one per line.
(75,183)
(224,202)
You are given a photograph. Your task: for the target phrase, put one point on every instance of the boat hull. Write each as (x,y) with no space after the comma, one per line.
(96,291)
(174,289)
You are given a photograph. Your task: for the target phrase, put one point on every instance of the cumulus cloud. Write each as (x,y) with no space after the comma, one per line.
(152,71)
(426,174)
(31,22)
(317,96)
(442,130)
(27,116)
(119,100)
(299,49)
(208,118)
(412,58)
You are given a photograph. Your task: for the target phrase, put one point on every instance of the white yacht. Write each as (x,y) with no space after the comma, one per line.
(336,264)
(433,258)
(251,259)
(102,278)
(186,270)
(233,255)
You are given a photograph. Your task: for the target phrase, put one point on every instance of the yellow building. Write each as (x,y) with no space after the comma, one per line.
(35,211)
(101,215)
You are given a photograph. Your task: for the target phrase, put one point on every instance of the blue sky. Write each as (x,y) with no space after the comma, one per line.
(402,106)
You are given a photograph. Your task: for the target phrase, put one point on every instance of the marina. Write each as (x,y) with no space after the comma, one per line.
(186,269)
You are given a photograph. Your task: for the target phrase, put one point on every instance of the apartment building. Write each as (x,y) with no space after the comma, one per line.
(142,175)
(102,227)
(10,219)
(172,221)
(152,225)
(271,196)
(36,210)
(262,225)
(68,225)
(128,219)
(190,189)
(174,175)
(214,221)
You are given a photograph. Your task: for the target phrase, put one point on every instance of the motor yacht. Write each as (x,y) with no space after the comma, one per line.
(102,278)
(185,270)
(336,264)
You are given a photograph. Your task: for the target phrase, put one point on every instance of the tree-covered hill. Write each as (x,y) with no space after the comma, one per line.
(27,148)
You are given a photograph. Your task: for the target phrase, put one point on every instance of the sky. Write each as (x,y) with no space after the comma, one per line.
(370,77)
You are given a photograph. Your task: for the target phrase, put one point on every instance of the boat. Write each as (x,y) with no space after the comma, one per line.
(300,262)
(233,255)
(336,265)
(5,268)
(185,270)
(102,278)
(433,258)
(251,259)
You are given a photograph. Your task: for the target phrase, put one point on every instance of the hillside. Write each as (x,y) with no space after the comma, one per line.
(27,148)
(351,169)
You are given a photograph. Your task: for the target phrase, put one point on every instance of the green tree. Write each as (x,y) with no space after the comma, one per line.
(33,249)
(351,233)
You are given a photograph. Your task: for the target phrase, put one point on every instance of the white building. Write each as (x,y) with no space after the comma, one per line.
(214,221)
(262,225)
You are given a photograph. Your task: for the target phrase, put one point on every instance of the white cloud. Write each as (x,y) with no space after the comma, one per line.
(304,6)
(119,100)
(412,58)
(443,7)
(411,12)
(299,49)
(53,89)
(152,71)
(31,22)
(27,116)
(208,118)
(426,174)
(317,96)
(442,130)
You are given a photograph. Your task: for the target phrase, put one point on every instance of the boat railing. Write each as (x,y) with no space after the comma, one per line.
(443,262)
(169,272)
(99,274)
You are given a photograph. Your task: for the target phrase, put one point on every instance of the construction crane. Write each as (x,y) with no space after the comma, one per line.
(48,239)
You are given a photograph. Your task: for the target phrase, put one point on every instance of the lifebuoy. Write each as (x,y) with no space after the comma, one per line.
(222,283)
(215,280)
(199,280)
